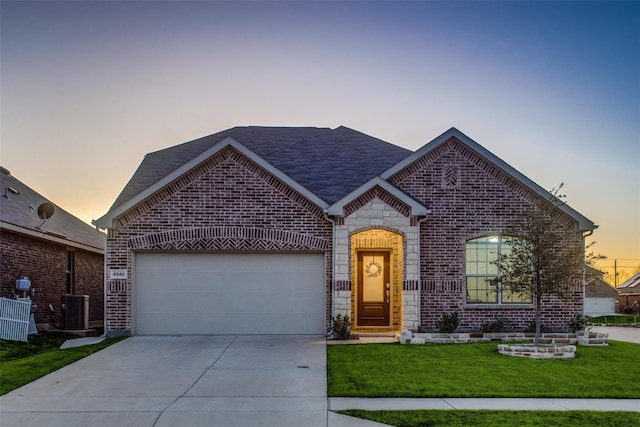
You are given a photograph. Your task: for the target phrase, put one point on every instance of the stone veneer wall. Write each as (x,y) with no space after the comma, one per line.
(372,223)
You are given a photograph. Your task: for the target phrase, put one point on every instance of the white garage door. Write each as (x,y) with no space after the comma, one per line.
(599,306)
(204,293)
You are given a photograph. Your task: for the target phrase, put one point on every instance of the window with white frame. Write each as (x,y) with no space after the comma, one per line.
(483,262)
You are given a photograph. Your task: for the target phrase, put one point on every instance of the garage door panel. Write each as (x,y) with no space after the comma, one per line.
(200,325)
(199,293)
(201,305)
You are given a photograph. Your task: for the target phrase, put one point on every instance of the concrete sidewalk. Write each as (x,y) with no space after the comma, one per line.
(525,404)
(620,333)
(529,404)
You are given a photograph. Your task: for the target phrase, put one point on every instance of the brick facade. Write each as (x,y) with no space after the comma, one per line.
(230,203)
(226,204)
(45,264)
(469,198)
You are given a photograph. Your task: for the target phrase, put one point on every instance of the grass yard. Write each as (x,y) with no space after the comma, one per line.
(614,320)
(478,370)
(23,362)
(449,418)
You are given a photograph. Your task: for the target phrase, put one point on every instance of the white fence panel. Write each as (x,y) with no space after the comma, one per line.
(14,319)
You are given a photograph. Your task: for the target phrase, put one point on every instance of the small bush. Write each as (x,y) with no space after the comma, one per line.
(498,325)
(341,326)
(448,322)
(578,323)
(531,329)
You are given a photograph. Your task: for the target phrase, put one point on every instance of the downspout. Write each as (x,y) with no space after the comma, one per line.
(104,298)
(104,282)
(420,221)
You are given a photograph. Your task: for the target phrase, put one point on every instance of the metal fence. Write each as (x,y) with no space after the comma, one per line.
(14,319)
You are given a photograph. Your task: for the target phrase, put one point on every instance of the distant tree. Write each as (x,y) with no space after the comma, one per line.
(544,257)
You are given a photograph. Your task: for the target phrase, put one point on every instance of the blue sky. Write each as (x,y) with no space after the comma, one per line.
(552,88)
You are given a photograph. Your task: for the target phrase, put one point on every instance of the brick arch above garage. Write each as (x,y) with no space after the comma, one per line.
(228,239)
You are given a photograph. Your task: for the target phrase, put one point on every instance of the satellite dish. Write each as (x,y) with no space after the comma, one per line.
(45,210)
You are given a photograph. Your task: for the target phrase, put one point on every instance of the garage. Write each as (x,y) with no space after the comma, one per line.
(599,306)
(228,293)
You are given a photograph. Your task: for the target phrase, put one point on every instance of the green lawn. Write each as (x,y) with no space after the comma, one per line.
(614,320)
(23,362)
(448,418)
(478,370)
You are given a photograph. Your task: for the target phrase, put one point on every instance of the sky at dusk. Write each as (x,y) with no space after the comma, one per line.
(552,88)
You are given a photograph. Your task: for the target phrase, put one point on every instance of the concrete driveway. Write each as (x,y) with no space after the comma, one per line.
(182,381)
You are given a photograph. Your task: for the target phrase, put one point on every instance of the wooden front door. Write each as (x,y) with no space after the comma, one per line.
(374,291)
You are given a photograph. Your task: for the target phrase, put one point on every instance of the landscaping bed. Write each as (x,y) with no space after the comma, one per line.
(581,338)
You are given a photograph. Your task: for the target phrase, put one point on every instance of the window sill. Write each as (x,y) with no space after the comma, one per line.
(526,306)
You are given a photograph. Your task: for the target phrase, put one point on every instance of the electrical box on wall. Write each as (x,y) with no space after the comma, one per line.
(23,284)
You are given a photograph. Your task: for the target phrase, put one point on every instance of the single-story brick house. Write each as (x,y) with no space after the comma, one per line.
(62,255)
(271,230)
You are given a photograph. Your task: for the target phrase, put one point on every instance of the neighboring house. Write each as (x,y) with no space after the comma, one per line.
(600,297)
(261,230)
(60,255)
(629,292)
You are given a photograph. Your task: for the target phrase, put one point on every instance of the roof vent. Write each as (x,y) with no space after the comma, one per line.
(8,190)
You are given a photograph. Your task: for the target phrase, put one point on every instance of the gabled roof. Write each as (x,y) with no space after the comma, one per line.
(18,213)
(585,224)
(592,272)
(328,166)
(597,287)
(261,140)
(106,220)
(328,163)
(630,285)
(417,209)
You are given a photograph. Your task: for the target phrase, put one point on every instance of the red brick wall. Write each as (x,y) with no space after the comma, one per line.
(45,264)
(89,280)
(227,204)
(469,198)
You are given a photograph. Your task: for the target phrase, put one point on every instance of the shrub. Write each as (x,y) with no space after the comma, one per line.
(448,322)
(531,329)
(498,325)
(578,322)
(341,326)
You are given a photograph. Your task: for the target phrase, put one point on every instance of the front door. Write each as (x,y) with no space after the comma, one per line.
(374,292)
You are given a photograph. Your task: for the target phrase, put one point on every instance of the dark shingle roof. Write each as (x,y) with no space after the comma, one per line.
(329,163)
(20,210)
(335,163)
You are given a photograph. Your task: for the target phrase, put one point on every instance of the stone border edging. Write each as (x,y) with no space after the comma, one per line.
(579,338)
(539,352)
